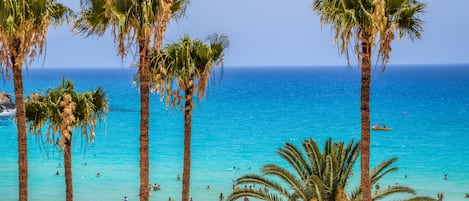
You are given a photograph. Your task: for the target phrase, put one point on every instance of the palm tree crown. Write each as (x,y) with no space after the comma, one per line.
(23,29)
(315,175)
(379,19)
(186,63)
(63,109)
(127,19)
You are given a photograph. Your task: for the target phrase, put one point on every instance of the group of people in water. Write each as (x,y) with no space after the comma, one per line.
(250,188)
(156,187)
(58,173)
(440,196)
(84,164)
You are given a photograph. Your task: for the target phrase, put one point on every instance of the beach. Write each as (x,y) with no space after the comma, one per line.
(245,117)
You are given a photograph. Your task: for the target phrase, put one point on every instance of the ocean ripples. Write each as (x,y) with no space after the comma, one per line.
(6,120)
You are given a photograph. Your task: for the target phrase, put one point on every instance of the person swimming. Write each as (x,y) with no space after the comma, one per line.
(221,196)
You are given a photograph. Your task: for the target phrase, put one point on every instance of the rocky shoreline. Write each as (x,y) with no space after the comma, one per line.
(6,103)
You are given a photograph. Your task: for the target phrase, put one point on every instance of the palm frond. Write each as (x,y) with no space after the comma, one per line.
(288,177)
(382,169)
(383,193)
(127,19)
(256,194)
(260,180)
(23,30)
(48,109)
(295,159)
(314,155)
(185,63)
(420,198)
(323,176)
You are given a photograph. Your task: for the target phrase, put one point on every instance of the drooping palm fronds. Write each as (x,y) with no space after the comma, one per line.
(128,20)
(381,19)
(183,63)
(24,29)
(47,109)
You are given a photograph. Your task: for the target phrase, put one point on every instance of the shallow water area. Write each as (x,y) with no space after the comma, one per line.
(244,118)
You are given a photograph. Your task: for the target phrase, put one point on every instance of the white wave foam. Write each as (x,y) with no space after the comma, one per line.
(8,113)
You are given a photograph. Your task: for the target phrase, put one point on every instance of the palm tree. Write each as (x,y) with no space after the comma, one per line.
(189,64)
(133,22)
(369,22)
(65,111)
(23,31)
(313,175)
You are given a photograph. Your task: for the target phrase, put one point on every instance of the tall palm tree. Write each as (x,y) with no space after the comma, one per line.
(189,64)
(313,175)
(64,111)
(369,23)
(142,23)
(23,31)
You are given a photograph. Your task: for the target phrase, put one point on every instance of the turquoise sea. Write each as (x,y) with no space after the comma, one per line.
(245,117)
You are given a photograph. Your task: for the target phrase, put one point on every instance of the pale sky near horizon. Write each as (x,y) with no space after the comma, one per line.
(271,33)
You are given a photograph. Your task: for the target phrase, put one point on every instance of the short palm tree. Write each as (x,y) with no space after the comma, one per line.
(189,64)
(369,23)
(64,112)
(313,175)
(23,31)
(142,23)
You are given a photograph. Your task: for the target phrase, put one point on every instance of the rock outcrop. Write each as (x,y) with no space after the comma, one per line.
(6,102)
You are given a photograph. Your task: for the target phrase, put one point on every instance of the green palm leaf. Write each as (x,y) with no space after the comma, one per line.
(315,175)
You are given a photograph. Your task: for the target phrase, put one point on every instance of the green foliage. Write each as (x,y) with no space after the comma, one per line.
(23,29)
(315,175)
(351,19)
(188,64)
(48,108)
(126,18)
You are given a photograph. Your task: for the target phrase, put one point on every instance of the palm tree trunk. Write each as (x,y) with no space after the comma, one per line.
(21,126)
(163,19)
(144,117)
(186,175)
(68,170)
(365,116)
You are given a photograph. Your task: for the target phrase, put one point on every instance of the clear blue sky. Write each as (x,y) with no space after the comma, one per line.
(272,33)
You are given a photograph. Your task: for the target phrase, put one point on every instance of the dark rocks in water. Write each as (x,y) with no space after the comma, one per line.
(6,102)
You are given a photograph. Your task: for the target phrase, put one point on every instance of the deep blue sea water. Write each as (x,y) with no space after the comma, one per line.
(244,118)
